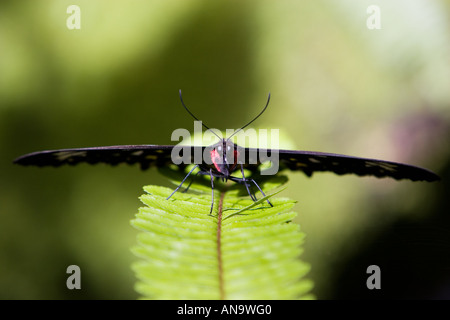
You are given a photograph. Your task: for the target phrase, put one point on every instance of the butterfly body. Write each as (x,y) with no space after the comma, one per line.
(224,157)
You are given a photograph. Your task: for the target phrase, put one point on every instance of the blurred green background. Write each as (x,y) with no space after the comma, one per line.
(337,86)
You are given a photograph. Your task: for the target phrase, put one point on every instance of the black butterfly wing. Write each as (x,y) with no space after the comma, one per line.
(161,155)
(144,155)
(310,162)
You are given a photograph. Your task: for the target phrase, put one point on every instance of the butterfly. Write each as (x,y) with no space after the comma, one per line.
(224,158)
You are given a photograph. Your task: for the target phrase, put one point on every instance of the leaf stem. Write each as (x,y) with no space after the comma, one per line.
(219,248)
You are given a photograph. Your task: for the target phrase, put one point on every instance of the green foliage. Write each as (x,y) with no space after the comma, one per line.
(243,250)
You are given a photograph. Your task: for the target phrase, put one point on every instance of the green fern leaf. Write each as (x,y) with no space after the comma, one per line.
(244,250)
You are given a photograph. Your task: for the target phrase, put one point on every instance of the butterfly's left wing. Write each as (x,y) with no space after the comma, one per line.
(144,155)
(310,162)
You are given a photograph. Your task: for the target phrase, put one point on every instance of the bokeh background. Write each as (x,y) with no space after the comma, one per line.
(337,86)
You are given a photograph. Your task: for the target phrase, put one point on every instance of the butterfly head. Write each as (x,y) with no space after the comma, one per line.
(224,157)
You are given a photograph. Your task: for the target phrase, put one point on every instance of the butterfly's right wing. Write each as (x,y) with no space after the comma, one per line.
(310,162)
(342,164)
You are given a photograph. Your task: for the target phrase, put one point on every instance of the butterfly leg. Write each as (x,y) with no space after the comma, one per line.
(192,181)
(242,180)
(212,190)
(182,182)
(260,191)
(246,185)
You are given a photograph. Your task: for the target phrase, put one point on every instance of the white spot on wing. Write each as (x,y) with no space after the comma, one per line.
(314,160)
(386,166)
(64,155)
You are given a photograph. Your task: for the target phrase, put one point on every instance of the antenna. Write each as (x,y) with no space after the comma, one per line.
(192,115)
(267,103)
